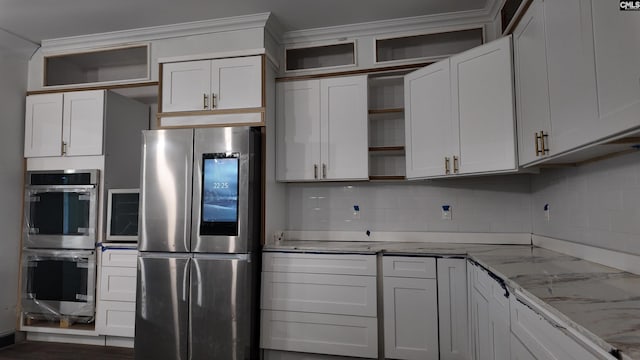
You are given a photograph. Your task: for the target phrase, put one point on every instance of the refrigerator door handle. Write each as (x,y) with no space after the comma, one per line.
(198,283)
(185,283)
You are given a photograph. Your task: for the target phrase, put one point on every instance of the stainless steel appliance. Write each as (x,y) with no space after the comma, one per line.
(59,283)
(61,209)
(198,279)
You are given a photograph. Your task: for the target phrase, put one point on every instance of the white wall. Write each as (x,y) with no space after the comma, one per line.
(485,204)
(13,84)
(596,204)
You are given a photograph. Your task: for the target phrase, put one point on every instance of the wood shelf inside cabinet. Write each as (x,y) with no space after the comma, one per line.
(386,177)
(386,111)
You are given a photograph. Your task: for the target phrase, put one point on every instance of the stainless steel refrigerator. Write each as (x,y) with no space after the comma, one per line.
(198,268)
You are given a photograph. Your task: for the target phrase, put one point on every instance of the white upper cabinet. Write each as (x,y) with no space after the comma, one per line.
(219,84)
(43,126)
(322,129)
(69,124)
(532,90)
(483,107)
(460,114)
(577,78)
(429,130)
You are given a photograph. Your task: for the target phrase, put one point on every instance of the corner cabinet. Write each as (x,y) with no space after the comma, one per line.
(212,92)
(64,124)
(459,114)
(322,129)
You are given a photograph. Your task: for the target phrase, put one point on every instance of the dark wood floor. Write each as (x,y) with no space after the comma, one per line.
(32,350)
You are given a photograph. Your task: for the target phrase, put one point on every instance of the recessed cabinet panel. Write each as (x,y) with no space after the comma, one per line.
(344,128)
(532,85)
(236,83)
(186,85)
(482,88)
(298,129)
(429,129)
(82,125)
(452,309)
(43,125)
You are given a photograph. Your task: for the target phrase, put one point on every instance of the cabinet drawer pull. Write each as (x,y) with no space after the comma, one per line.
(213,101)
(205,101)
(324,171)
(446,165)
(455,164)
(64,148)
(315,171)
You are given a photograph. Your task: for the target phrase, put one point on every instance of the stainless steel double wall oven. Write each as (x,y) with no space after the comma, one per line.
(59,259)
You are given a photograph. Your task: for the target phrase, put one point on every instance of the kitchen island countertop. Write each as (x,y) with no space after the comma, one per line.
(600,302)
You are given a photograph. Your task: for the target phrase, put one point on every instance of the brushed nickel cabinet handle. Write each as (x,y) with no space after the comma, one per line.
(455,164)
(446,165)
(213,101)
(315,171)
(64,148)
(205,101)
(324,171)
(537,140)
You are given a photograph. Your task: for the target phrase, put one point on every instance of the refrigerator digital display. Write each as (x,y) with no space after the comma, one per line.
(219,194)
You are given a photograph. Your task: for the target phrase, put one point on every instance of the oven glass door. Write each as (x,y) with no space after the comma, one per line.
(59,282)
(61,217)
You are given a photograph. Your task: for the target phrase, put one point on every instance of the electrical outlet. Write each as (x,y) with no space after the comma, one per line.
(446,212)
(356,212)
(547,216)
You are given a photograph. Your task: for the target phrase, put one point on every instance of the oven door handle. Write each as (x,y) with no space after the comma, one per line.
(61,187)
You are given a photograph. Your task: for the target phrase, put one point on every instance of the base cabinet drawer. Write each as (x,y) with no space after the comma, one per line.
(116,318)
(342,264)
(320,333)
(118,284)
(120,258)
(319,293)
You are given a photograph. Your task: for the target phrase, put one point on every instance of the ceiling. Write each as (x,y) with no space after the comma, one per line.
(36,20)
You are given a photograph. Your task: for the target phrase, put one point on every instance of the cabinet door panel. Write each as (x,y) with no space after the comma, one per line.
(429,131)
(572,83)
(236,83)
(411,318)
(452,309)
(298,130)
(519,351)
(185,85)
(482,88)
(118,284)
(532,85)
(344,140)
(617,55)
(116,318)
(43,125)
(82,122)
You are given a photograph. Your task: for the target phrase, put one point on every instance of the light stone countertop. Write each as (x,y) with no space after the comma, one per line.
(600,302)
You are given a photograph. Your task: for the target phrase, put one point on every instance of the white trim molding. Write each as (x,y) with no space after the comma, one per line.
(615,259)
(409,236)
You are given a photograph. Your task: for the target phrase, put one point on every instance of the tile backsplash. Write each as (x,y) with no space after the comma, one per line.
(485,204)
(596,204)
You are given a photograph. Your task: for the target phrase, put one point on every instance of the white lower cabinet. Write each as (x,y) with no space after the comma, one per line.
(319,303)
(452,309)
(489,320)
(116,305)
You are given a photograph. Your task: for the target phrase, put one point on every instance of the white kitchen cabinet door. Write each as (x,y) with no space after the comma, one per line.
(483,107)
(410,318)
(452,309)
(572,83)
(186,86)
(532,85)
(43,125)
(490,320)
(298,130)
(83,122)
(118,284)
(430,136)
(236,83)
(116,318)
(343,119)
(616,40)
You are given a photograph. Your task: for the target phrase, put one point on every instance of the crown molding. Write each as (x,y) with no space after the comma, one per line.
(157,32)
(409,24)
(12,43)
